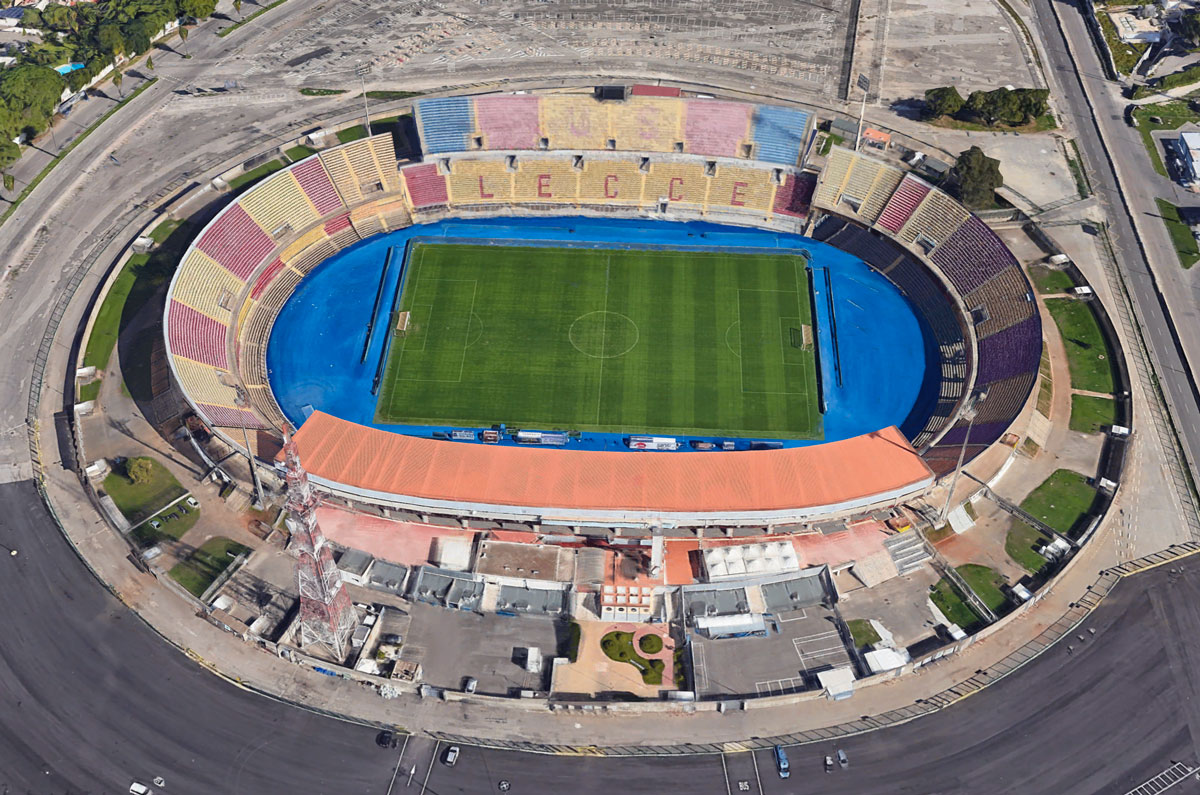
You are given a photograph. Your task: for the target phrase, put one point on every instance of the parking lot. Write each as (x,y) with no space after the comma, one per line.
(799,645)
(452,645)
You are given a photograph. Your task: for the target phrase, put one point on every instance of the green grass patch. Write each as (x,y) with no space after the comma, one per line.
(1125,56)
(141,500)
(89,391)
(570,648)
(651,644)
(12,207)
(1089,414)
(953,606)
(618,646)
(352,134)
(862,632)
(1045,398)
(226,31)
(986,583)
(1049,280)
(174,528)
(386,95)
(1088,354)
(299,152)
(207,563)
(1171,116)
(1075,163)
(248,178)
(650,341)
(830,140)
(1184,77)
(1022,544)
(1062,501)
(1186,248)
(322,92)
(939,534)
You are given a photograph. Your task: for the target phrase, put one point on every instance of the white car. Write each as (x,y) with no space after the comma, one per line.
(139,789)
(451,756)
(154,523)
(192,502)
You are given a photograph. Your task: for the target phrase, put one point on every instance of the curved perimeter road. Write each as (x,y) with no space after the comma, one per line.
(92,699)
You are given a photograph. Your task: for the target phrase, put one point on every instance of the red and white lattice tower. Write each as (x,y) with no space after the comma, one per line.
(327,615)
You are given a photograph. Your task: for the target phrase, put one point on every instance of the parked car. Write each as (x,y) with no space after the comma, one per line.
(451,756)
(192,502)
(781,762)
(155,524)
(138,789)
(828,763)
(843,762)
(469,684)
(183,510)
(385,739)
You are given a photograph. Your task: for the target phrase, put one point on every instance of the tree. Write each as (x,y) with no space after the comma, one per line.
(183,34)
(117,79)
(150,63)
(995,106)
(110,40)
(1189,27)
(10,182)
(1033,102)
(977,176)
(944,101)
(31,93)
(9,153)
(139,470)
(199,9)
(237,6)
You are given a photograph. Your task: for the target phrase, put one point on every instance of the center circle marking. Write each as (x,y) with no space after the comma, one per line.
(603,335)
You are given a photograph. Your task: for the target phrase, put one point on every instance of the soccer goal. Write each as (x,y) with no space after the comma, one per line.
(801,337)
(402,321)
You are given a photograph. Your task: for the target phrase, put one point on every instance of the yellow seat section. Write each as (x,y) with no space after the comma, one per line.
(646,123)
(384,150)
(207,287)
(833,177)
(676,182)
(935,219)
(611,182)
(298,245)
(734,187)
(574,122)
(338,166)
(279,204)
(480,182)
(545,180)
(202,383)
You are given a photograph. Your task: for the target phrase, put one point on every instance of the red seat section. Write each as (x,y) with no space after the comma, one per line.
(794,195)
(230,417)
(317,186)
(196,336)
(236,242)
(902,204)
(426,187)
(712,127)
(508,122)
(264,279)
(335,225)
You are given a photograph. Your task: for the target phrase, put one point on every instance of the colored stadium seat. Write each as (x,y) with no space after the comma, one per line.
(713,127)
(645,124)
(903,203)
(425,186)
(544,180)
(211,290)
(362,167)
(574,122)
(366,219)
(778,134)
(236,242)
(1005,299)
(279,205)
(794,196)
(676,182)
(1006,398)
(204,383)
(196,336)
(446,123)
(833,176)
(230,416)
(264,278)
(736,188)
(340,231)
(610,181)
(480,182)
(1016,350)
(935,219)
(317,185)
(508,122)
(972,255)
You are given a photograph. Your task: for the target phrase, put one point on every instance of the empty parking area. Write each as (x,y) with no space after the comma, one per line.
(451,645)
(798,646)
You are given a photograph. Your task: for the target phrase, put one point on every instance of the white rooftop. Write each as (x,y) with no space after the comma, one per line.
(772,557)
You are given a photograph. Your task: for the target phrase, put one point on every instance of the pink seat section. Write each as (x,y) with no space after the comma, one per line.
(426,187)
(264,279)
(902,204)
(196,336)
(236,242)
(230,417)
(508,122)
(317,186)
(794,195)
(335,225)
(712,127)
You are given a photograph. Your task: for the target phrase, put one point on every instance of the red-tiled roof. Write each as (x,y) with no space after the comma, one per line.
(763,480)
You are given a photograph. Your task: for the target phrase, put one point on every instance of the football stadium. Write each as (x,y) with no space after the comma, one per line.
(640,309)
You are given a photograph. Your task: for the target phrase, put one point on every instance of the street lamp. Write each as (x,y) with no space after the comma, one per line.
(362,70)
(970,411)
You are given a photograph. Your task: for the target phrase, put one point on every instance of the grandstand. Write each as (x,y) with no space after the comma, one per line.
(569,153)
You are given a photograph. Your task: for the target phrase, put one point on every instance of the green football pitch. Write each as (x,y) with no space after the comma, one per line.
(629,341)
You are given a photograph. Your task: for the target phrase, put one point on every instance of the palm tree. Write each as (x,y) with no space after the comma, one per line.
(237,6)
(150,63)
(118,78)
(183,34)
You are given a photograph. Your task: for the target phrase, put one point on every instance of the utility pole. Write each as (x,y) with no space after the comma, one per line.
(864,83)
(970,411)
(362,70)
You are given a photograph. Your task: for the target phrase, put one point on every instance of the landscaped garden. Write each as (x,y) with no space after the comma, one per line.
(1091,413)
(1088,355)
(1022,544)
(619,646)
(954,607)
(140,487)
(986,584)
(1062,502)
(862,632)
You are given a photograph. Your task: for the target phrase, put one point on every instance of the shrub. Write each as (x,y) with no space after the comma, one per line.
(140,470)
(651,644)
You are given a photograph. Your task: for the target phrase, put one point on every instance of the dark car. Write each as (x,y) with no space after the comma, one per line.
(385,739)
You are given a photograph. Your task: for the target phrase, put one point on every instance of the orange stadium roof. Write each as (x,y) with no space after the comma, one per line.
(829,475)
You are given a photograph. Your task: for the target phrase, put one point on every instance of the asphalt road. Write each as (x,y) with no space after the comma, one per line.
(1166,330)
(92,699)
